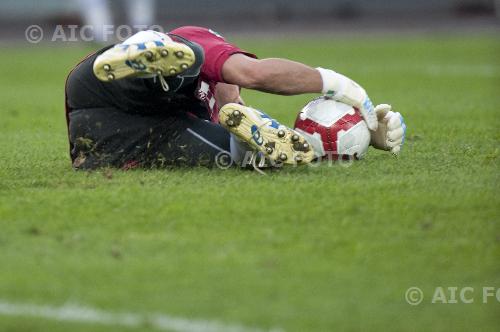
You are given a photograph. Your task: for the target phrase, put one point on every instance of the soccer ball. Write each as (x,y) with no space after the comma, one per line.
(333,129)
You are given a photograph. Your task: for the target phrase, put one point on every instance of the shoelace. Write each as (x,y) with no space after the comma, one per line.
(256,167)
(163,82)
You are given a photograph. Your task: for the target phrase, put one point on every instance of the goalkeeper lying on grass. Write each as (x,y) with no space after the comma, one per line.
(173,99)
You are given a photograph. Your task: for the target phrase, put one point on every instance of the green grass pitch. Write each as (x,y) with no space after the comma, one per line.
(311,249)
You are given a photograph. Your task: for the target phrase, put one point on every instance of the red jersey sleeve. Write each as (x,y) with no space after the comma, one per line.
(217,50)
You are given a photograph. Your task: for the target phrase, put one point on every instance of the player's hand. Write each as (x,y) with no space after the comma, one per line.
(341,88)
(369,115)
(353,94)
(390,134)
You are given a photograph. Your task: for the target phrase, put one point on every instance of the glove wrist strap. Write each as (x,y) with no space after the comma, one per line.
(332,82)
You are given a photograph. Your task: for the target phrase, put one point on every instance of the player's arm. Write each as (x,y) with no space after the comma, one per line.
(286,77)
(278,76)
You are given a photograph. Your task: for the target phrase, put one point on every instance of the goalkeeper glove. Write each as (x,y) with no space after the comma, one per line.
(345,90)
(391,131)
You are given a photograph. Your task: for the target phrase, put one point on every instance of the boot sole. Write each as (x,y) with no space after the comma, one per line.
(155,58)
(280,144)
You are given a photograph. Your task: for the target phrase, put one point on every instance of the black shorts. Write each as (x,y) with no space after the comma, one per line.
(134,123)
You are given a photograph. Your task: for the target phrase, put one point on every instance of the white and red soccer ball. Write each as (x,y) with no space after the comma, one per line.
(334,130)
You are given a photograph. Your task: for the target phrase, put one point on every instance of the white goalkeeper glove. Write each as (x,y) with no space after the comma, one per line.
(391,131)
(345,90)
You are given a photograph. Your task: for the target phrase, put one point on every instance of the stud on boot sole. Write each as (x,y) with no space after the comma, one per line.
(234,119)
